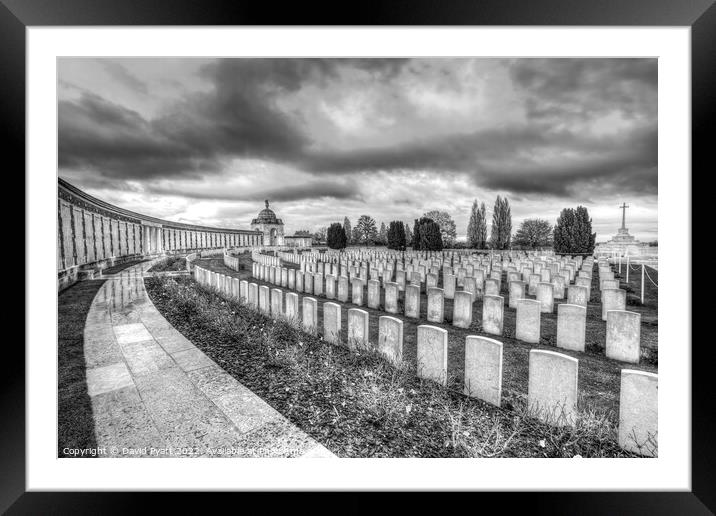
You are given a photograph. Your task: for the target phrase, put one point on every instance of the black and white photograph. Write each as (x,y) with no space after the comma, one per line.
(410,249)
(376,257)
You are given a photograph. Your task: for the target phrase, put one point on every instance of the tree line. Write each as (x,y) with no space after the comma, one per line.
(435,230)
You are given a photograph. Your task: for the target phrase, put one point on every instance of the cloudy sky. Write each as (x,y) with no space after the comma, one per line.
(207,140)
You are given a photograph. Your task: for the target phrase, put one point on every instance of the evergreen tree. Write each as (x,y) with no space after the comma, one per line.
(336,237)
(383,234)
(501,224)
(430,236)
(424,235)
(408,234)
(396,235)
(347,230)
(446,223)
(583,233)
(472,235)
(573,232)
(415,241)
(367,229)
(477,227)
(401,239)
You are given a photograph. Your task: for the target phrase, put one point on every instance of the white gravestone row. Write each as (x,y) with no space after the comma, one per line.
(622,334)
(552,391)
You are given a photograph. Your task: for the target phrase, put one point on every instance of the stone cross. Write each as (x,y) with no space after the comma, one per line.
(624,206)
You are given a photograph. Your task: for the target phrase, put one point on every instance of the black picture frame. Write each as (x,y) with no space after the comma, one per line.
(17,15)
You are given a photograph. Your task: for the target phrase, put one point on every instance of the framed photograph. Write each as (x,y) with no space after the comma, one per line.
(415,250)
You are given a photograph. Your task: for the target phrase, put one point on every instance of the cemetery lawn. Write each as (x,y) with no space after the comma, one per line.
(649,309)
(173,263)
(358,405)
(74,410)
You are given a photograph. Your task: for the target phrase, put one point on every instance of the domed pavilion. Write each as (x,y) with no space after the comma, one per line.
(270,225)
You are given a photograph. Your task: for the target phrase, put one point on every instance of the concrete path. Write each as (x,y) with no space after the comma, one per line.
(155,394)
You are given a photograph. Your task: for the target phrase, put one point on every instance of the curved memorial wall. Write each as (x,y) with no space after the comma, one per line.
(93,234)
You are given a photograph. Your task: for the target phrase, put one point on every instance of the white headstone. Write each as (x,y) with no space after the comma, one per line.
(483,369)
(638,412)
(492,314)
(528,321)
(623,336)
(552,387)
(390,338)
(432,353)
(332,322)
(571,326)
(357,328)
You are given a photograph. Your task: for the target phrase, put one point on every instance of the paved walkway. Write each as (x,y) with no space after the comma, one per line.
(155,394)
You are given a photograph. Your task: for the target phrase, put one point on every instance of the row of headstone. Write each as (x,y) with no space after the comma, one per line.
(553,377)
(378,267)
(552,397)
(455,255)
(397,259)
(232,262)
(265,259)
(623,328)
(479,284)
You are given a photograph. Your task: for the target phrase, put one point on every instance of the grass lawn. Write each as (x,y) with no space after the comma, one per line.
(650,309)
(358,405)
(74,411)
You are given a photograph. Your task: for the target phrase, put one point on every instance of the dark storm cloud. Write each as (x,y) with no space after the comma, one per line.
(252,75)
(98,135)
(626,174)
(460,152)
(240,117)
(628,165)
(312,190)
(307,190)
(503,160)
(121,74)
(584,87)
